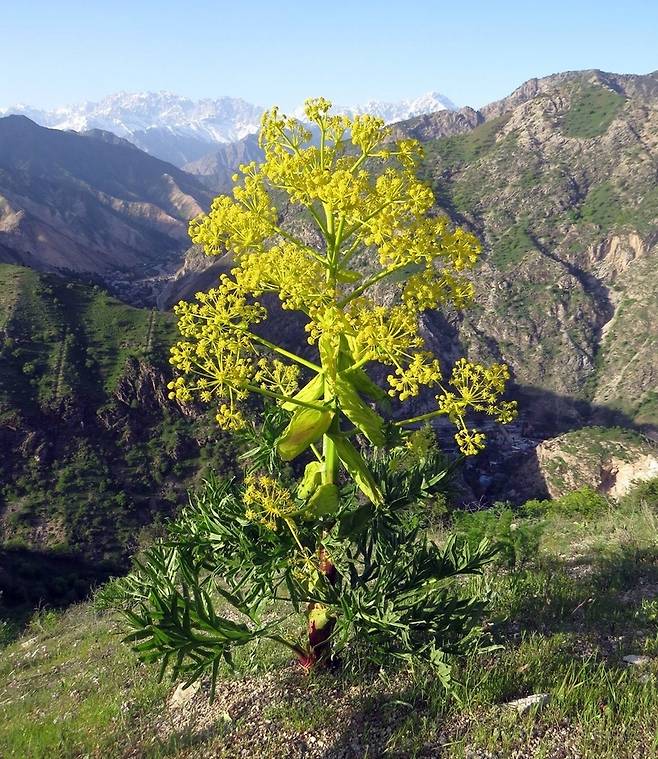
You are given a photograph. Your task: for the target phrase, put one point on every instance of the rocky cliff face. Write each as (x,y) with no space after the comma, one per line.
(609,460)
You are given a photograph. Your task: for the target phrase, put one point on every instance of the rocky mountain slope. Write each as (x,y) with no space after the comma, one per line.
(181,130)
(560,182)
(216,168)
(90,203)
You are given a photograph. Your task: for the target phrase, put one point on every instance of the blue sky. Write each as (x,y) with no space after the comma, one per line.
(279,52)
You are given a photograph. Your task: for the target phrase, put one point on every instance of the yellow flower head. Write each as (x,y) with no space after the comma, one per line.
(336,224)
(267,501)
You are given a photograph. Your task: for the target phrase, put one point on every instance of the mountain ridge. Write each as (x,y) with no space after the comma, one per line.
(182,130)
(90,202)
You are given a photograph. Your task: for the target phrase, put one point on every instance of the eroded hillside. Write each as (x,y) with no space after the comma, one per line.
(561,184)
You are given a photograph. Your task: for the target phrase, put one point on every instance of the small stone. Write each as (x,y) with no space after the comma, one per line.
(183,695)
(524,705)
(638,661)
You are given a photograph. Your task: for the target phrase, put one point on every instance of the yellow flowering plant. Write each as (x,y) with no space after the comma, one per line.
(364,201)
(359,253)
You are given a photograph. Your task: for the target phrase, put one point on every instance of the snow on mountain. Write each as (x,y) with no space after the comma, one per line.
(181,130)
(430,102)
(223,120)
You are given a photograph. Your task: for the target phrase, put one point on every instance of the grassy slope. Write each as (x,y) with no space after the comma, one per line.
(565,617)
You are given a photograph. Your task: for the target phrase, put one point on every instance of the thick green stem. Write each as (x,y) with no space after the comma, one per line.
(288,644)
(283,352)
(369,283)
(330,457)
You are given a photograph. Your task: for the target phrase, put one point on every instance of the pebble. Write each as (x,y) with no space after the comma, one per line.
(638,661)
(183,695)
(524,705)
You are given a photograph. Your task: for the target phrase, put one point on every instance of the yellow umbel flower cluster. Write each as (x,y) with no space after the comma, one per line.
(267,501)
(359,192)
(423,369)
(477,388)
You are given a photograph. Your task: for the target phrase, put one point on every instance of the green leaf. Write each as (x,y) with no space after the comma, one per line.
(354,522)
(323,502)
(306,426)
(348,276)
(402,274)
(309,393)
(363,384)
(358,469)
(359,413)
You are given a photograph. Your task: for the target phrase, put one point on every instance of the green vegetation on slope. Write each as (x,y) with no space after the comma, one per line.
(593,109)
(92,448)
(65,340)
(468,147)
(608,207)
(575,599)
(511,246)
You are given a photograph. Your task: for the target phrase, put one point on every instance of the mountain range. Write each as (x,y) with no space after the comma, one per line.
(181,130)
(559,180)
(90,203)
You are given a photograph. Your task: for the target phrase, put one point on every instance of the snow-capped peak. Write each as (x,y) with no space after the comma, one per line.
(181,130)
(399,110)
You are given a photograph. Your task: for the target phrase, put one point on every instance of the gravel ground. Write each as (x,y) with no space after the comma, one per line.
(281,715)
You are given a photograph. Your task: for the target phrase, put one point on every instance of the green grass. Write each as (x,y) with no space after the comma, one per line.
(466,148)
(593,109)
(581,597)
(451,163)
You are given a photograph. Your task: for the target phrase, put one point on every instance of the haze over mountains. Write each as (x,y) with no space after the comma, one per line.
(90,202)
(181,130)
(559,180)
